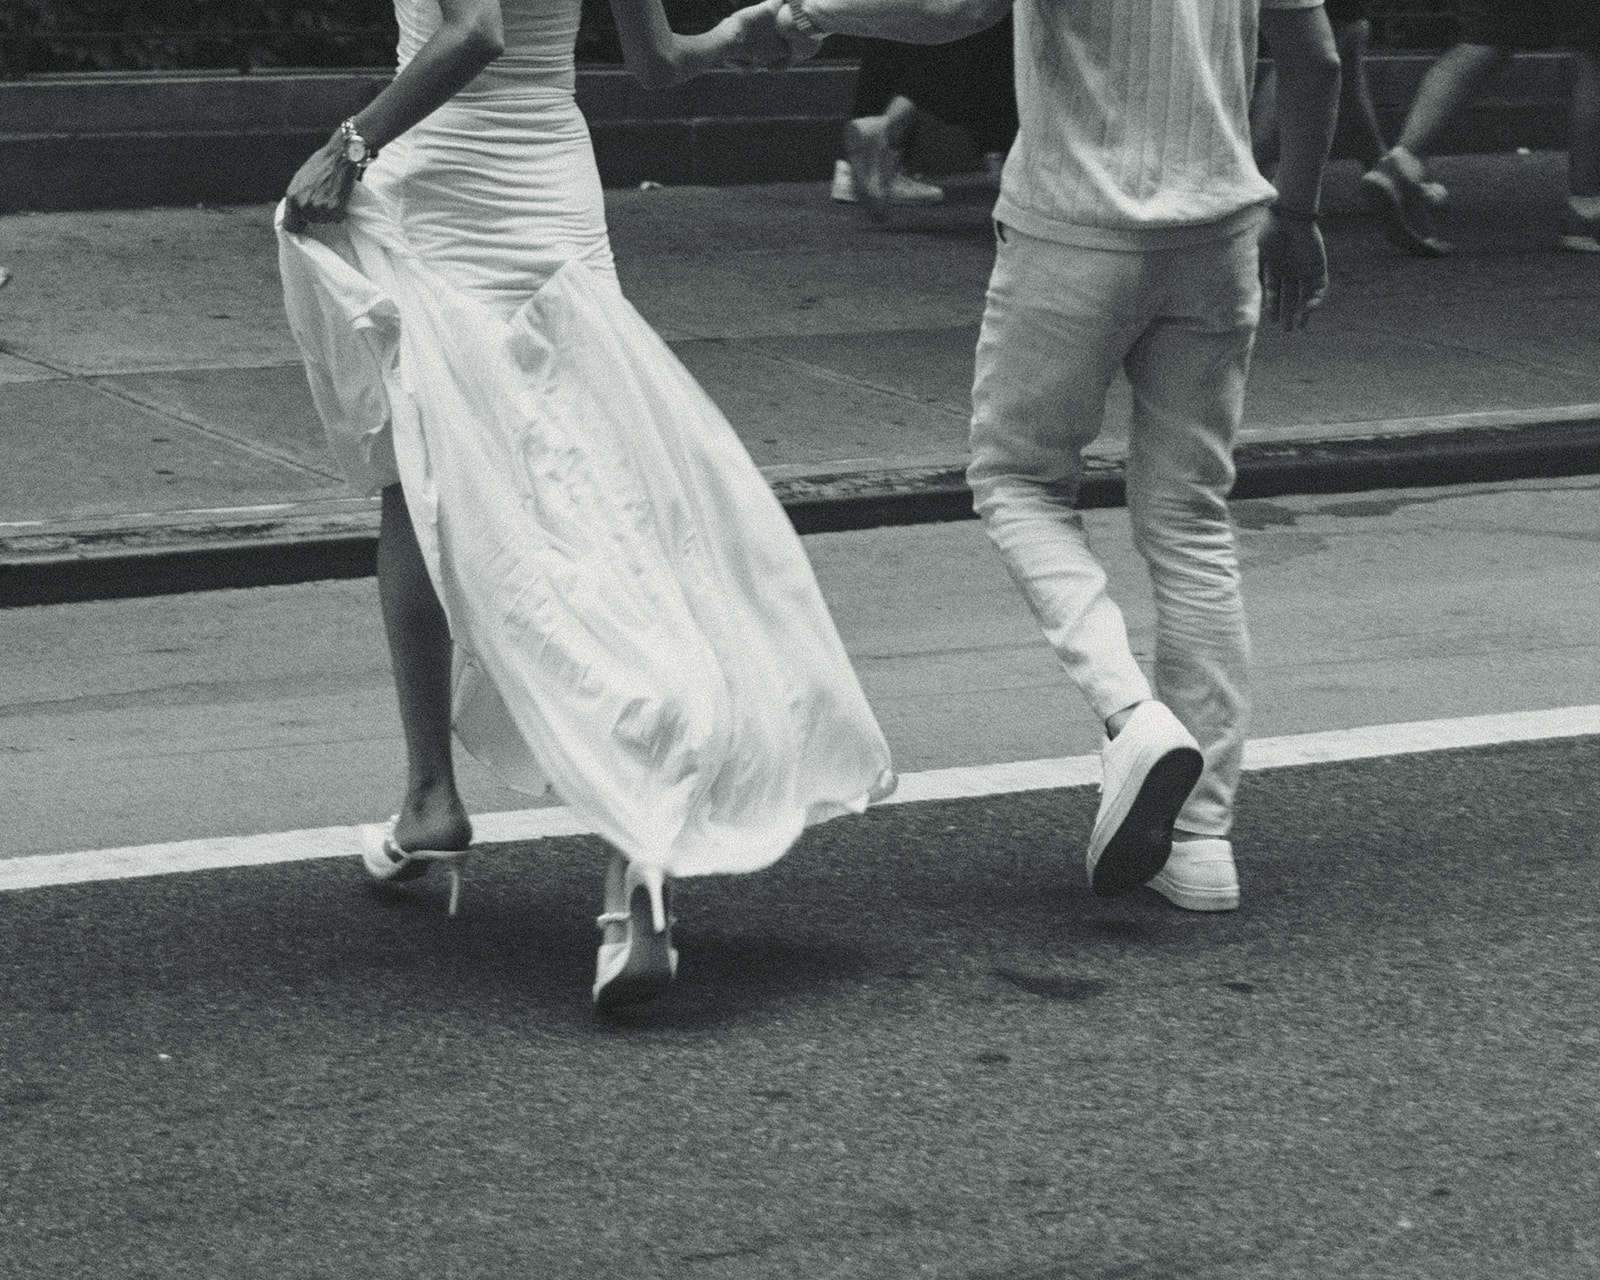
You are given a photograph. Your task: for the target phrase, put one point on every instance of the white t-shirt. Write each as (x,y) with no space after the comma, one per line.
(1135,120)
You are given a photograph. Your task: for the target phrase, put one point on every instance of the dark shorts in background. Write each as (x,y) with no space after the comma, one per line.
(1343,11)
(1531,24)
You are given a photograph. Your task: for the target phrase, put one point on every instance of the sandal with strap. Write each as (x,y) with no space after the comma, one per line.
(386,861)
(642,964)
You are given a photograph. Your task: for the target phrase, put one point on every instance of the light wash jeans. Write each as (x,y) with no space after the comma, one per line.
(1059,322)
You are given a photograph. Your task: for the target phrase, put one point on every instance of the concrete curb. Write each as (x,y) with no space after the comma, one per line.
(117,557)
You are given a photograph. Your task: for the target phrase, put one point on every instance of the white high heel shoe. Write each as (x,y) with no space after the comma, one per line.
(386,860)
(642,965)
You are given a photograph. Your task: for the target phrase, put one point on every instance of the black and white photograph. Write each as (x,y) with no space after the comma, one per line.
(799,640)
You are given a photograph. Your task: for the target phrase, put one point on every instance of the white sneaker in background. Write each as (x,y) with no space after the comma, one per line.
(1147,772)
(903,188)
(1398,190)
(1199,876)
(1580,234)
(843,189)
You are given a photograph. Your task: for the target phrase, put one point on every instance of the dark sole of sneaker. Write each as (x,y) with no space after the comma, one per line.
(1143,843)
(1399,232)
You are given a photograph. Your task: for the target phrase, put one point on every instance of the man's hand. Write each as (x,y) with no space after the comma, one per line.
(1294,270)
(321,189)
(755,43)
(1294,265)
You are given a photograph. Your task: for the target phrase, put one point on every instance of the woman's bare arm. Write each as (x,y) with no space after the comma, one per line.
(659,57)
(470,38)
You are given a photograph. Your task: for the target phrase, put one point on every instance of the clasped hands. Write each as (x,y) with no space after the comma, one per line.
(764,37)
(761,37)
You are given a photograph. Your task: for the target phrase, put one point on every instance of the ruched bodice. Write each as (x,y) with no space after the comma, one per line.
(540,35)
(497,189)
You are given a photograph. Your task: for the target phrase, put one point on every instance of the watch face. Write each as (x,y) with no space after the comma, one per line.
(355,150)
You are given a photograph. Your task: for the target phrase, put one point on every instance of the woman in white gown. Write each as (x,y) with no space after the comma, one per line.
(580,569)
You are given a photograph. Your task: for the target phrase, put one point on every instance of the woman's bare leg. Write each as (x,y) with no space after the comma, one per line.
(431,815)
(874,147)
(1451,82)
(1355,95)
(899,118)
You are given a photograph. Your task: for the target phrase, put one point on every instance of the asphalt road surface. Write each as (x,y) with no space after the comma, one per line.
(232,712)
(917,1046)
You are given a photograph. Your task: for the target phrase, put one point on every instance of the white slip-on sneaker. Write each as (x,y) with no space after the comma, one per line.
(843,189)
(1580,234)
(1199,876)
(1147,771)
(906,188)
(902,189)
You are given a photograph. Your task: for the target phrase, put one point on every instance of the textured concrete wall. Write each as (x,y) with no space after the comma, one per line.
(144,139)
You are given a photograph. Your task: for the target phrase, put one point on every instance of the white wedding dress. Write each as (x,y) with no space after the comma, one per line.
(636,622)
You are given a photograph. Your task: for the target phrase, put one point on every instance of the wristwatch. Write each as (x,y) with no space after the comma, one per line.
(356,149)
(803,22)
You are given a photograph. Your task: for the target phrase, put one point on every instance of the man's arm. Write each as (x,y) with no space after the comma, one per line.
(1294,265)
(911,21)
(1307,62)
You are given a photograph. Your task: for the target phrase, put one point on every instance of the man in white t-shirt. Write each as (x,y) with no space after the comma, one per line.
(1131,226)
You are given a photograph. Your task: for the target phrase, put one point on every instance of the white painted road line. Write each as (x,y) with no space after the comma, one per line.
(1379,740)
(1371,742)
(996,779)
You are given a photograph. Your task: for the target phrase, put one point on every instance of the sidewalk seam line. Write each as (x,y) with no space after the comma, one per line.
(194,424)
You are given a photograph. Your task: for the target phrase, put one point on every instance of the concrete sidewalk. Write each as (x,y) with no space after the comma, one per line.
(156,432)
